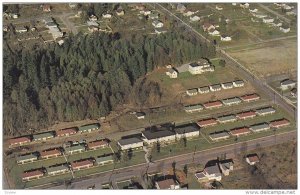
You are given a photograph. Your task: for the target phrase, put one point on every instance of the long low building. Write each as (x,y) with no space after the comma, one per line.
(265,111)
(231,101)
(227,118)
(279,123)
(102,160)
(19,141)
(29,175)
(43,136)
(193,108)
(187,130)
(89,128)
(82,164)
(240,131)
(27,158)
(66,132)
(219,135)
(97,144)
(60,169)
(130,143)
(250,97)
(153,136)
(214,104)
(246,115)
(260,127)
(192,92)
(207,122)
(55,152)
(75,149)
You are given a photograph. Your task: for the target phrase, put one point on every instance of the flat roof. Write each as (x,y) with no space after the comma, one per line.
(259,126)
(90,126)
(265,110)
(43,135)
(219,134)
(187,128)
(104,158)
(131,140)
(193,107)
(26,157)
(76,147)
(231,100)
(227,117)
(152,134)
(57,168)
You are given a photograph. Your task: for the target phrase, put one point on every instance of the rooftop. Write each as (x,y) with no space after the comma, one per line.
(219,134)
(152,134)
(127,141)
(57,168)
(214,169)
(259,126)
(287,82)
(227,117)
(75,147)
(90,126)
(192,107)
(104,158)
(26,157)
(166,184)
(265,110)
(187,128)
(43,135)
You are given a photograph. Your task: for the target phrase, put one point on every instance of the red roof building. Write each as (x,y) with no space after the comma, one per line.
(50,153)
(83,164)
(215,104)
(46,8)
(252,159)
(280,123)
(207,122)
(245,115)
(97,144)
(32,175)
(66,132)
(19,141)
(251,97)
(240,131)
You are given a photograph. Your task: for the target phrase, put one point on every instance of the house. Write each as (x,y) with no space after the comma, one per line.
(72,5)
(75,149)
(197,68)
(49,153)
(259,15)
(106,16)
(210,173)
(240,131)
(27,158)
(219,135)
(97,144)
(157,24)
(103,160)
(148,12)
(93,18)
(287,7)
(225,37)
(214,104)
(231,101)
(29,175)
(93,25)
(294,92)
(58,169)
(194,18)
(43,136)
(234,4)
(19,141)
(244,5)
(187,131)
(93,28)
(246,115)
(287,84)
(268,20)
(228,85)
(82,164)
(213,32)
(219,8)
(253,10)
(158,135)
(291,13)
(265,111)
(226,118)
(14,15)
(208,26)
(130,143)
(120,12)
(140,115)
(226,166)
(260,127)
(66,132)
(153,16)
(46,8)
(238,83)
(284,30)
(250,97)
(203,90)
(21,29)
(188,13)
(207,122)
(279,123)
(193,108)
(89,128)
(192,92)
(252,159)
(180,7)
(216,87)
(140,7)
(172,73)
(167,184)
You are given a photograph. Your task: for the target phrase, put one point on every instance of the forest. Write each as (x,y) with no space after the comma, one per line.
(87,77)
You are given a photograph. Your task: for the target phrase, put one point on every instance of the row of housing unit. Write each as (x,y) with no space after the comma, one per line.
(220,103)
(19,141)
(215,87)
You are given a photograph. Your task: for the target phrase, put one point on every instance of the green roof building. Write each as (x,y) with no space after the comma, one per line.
(43,136)
(101,160)
(89,128)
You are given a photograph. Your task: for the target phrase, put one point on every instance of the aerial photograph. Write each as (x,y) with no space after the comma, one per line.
(149,96)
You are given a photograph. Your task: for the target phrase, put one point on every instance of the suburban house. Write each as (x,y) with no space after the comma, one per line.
(157,24)
(187,130)
(253,10)
(228,85)
(260,127)
(226,166)
(93,18)
(97,144)
(192,92)
(240,131)
(66,132)
(246,115)
(82,164)
(89,128)
(213,32)
(75,149)
(19,141)
(215,104)
(219,8)
(46,8)
(250,97)
(55,152)
(72,5)
(120,11)
(93,24)
(280,123)
(152,16)
(193,108)
(287,84)
(209,173)
(58,169)
(225,37)
(265,111)
(102,160)
(226,118)
(43,136)
(29,175)
(130,143)
(188,13)
(238,83)
(106,16)
(216,87)
(172,73)
(27,158)
(158,135)
(21,29)
(140,115)
(268,20)
(168,184)
(294,92)
(208,26)
(244,5)
(284,30)
(194,18)
(220,135)
(207,122)
(199,67)
(180,7)
(203,90)
(231,101)
(252,159)
(148,12)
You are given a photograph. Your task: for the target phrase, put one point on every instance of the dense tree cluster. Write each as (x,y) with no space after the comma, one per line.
(86,77)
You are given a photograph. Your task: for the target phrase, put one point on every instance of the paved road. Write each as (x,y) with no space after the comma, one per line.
(275,13)
(165,164)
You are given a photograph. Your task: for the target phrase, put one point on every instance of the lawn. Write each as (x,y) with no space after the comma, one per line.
(47,180)
(88,154)
(44,163)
